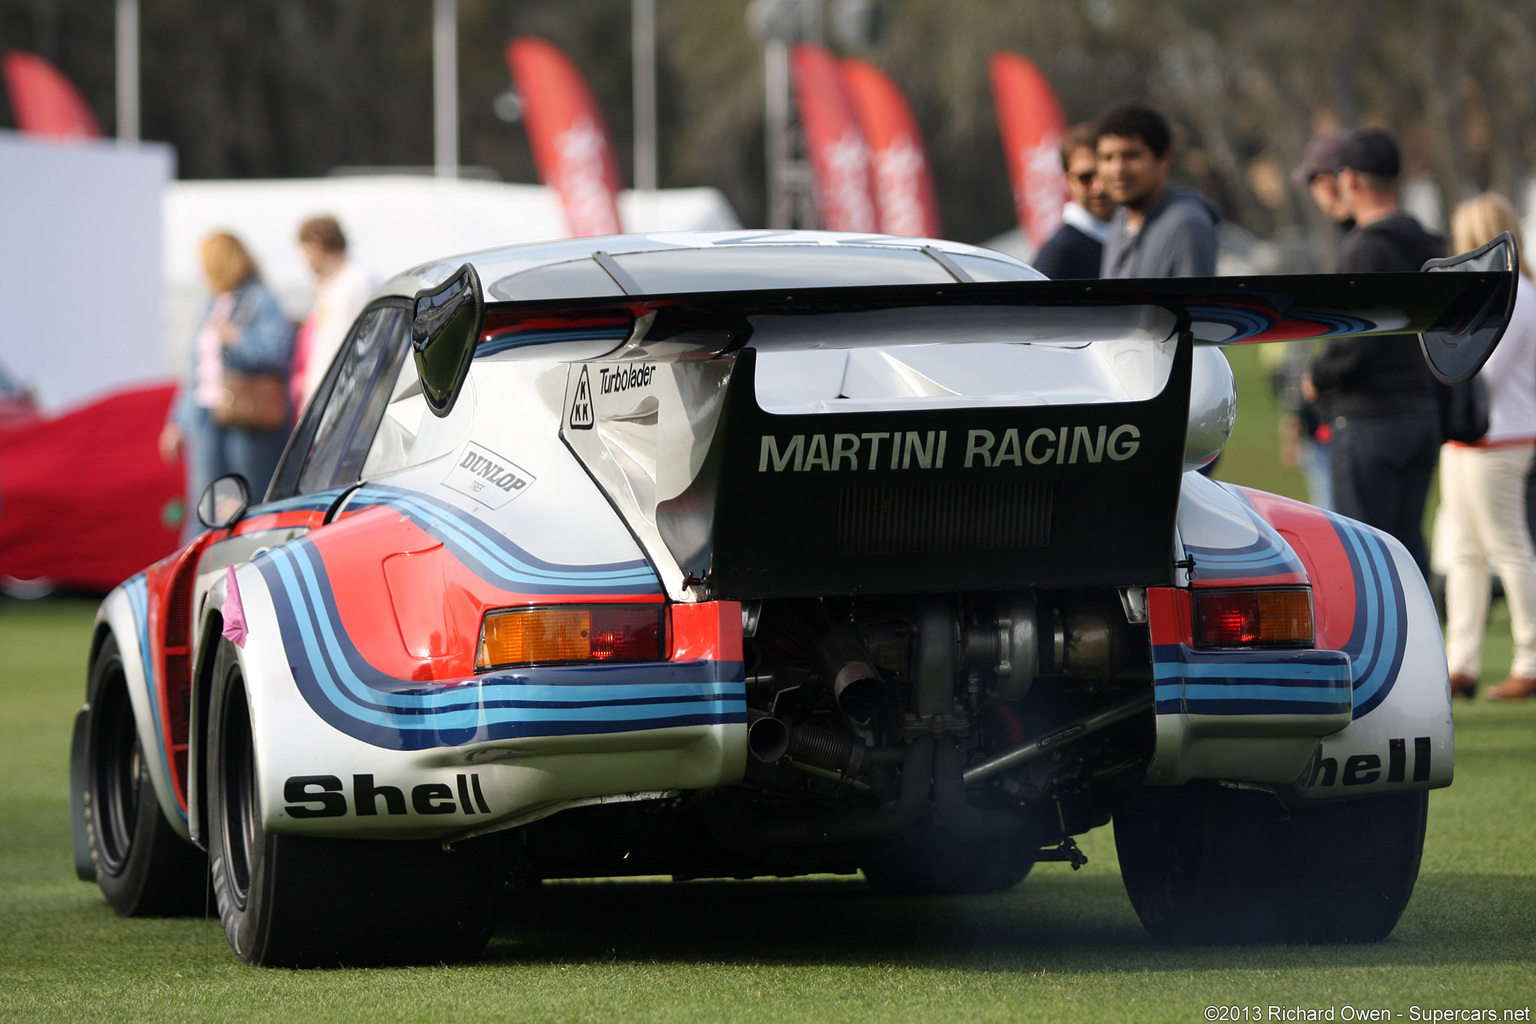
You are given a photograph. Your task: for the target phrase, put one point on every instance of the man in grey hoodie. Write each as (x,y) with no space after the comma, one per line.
(1161,229)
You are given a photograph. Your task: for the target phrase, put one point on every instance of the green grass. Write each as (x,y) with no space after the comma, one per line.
(1062,947)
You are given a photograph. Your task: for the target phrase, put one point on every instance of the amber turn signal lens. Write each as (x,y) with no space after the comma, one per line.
(570,634)
(1253,618)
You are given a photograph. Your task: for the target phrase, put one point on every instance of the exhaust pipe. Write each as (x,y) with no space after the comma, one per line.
(843,662)
(767,736)
(770,738)
(894,818)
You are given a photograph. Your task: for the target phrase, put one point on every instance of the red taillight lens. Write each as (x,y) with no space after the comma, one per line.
(1253,618)
(568,634)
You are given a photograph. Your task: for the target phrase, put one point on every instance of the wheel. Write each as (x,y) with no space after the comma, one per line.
(1204,864)
(301,901)
(934,861)
(144,866)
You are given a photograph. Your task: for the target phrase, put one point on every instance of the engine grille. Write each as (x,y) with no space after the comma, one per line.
(899,519)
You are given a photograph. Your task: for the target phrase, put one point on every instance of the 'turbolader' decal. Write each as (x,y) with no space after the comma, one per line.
(487,477)
(623,378)
(928,449)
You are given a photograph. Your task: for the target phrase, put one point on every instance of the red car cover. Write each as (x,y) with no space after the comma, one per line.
(85,499)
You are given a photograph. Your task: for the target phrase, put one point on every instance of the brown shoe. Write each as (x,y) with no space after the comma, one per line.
(1514,688)
(1463,685)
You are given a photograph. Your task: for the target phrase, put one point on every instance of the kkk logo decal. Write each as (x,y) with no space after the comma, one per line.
(581,407)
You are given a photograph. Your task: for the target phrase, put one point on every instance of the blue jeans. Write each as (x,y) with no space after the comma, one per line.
(1382,466)
(213,451)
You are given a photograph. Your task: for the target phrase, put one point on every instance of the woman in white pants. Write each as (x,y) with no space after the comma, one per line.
(1482,485)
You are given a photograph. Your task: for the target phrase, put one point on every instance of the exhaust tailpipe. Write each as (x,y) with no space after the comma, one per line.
(767,736)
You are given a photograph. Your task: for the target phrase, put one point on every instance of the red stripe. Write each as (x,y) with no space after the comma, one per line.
(1311,535)
(708,631)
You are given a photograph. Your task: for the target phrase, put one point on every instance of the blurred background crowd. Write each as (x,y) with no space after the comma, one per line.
(423,127)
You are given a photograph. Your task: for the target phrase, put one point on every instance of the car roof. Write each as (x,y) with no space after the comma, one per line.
(683,262)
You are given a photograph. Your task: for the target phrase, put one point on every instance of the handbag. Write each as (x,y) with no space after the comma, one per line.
(1464,411)
(252,401)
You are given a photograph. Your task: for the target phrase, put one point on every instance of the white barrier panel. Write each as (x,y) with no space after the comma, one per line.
(80,277)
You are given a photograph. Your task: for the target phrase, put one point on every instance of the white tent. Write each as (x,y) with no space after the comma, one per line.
(391,222)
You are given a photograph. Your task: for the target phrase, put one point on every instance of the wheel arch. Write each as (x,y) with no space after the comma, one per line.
(210,635)
(124,617)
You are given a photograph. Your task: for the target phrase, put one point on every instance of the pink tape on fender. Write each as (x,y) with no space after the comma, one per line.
(235,629)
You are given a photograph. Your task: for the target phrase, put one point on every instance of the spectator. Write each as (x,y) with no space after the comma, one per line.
(1077,247)
(1161,229)
(342,288)
(1376,393)
(1319,173)
(243,331)
(1304,435)
(1483,519)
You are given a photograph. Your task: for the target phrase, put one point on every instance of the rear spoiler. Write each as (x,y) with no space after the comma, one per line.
(1459,316)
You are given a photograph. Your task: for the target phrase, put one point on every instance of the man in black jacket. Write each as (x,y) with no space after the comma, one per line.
(1077,246)
(1376,392)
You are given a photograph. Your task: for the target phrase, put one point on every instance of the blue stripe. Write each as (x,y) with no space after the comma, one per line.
(1251,683)
(1304,674)
(525,339)
(317,501)
(495,559)
(1249,322)
(402,714)
(1379,637)
(1285,690)
(1267,555)
(1249,707)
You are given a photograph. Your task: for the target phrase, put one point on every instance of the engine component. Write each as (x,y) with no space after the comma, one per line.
(1045,743)
(1095,645)
(844,664)
(1004,647)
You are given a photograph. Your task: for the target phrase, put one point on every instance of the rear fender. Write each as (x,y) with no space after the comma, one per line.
(1371,603)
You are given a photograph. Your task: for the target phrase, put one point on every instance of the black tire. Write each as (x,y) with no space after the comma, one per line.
(144,867)
(300,901)
(934,861)
(1204,864)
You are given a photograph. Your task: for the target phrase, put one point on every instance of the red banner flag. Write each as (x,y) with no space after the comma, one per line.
(44,101)
(569,140)
(840,159)
(904,194)
(1031,122)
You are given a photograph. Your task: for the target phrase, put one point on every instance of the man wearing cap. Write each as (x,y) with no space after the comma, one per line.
(1377,393)
(1304,435)
(1318,173)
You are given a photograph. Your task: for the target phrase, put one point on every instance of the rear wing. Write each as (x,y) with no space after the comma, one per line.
(1459,316)
(734,500)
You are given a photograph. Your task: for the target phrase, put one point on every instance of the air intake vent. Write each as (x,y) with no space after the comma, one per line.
(899,519)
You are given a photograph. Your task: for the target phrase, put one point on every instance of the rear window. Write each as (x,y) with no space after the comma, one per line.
(736,268)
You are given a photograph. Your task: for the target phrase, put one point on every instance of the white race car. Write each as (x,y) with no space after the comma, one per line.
(774,553)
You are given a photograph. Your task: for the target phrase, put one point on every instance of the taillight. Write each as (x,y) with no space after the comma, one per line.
(570,634)
(1253,618)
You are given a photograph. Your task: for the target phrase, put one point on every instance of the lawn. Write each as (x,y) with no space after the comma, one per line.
(1063,947)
